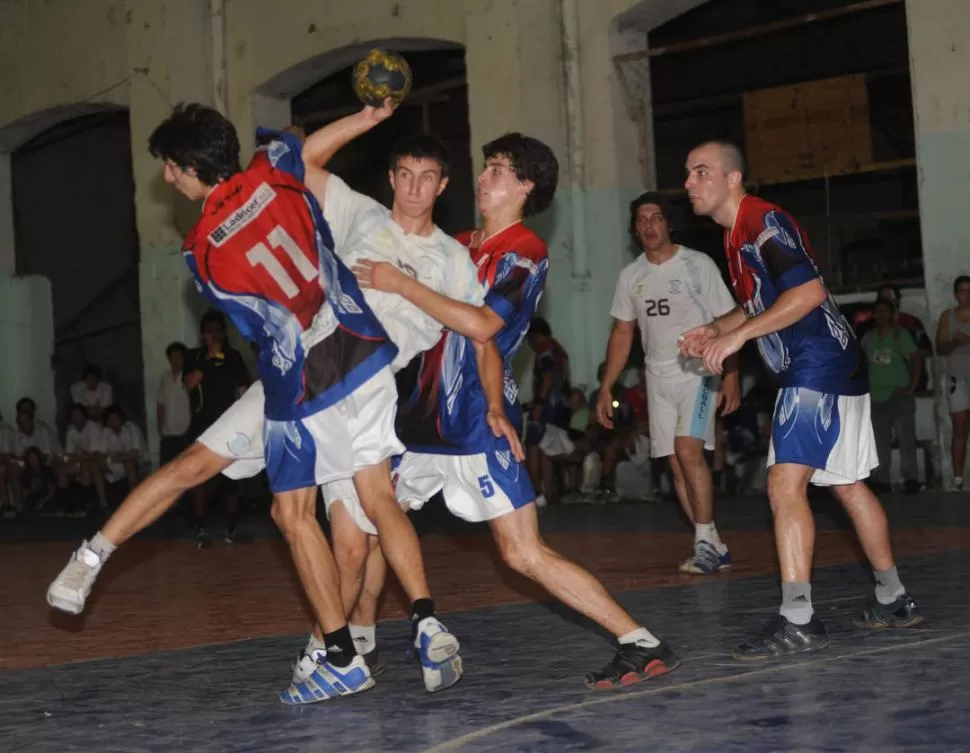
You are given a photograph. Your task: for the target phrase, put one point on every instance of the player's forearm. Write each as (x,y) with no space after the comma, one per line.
(730,321)
(791,306)
(491,373)
(617,354)
(480,323)
(320,146)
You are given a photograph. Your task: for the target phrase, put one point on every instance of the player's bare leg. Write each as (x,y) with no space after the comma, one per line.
(680,487)
(890,605)
(641,654)
(794,629)
(338,671)
(151,499)
(710,554)
(436,647)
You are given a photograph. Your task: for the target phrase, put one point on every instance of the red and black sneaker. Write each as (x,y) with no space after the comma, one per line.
(779,637)
(902,613)
(632,664)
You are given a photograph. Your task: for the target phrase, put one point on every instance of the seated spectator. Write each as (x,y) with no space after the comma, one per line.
(31,432)
(6,454)
(83,459)
(895,365)
(123,446)
(92,392)
(37,482)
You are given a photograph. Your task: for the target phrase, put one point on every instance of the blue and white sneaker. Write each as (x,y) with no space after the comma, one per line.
(318,680)
(437,650)
(706,560)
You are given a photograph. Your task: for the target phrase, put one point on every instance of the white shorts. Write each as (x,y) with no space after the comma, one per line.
(682,407)
(958,394)
(335,443)
(476,488)
(831,433)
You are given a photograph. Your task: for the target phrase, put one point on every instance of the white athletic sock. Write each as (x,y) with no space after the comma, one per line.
(316,649)
(642,637)
(708,532)
(101,546)
(364,638)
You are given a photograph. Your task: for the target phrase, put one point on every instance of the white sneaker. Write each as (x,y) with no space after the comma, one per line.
(70,589)
(437,650)
(305,665)
(541,501)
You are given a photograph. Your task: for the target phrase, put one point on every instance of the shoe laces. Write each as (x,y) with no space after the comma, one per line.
(81,570)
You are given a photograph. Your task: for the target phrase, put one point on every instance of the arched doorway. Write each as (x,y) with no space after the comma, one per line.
(74,223)
(319,91)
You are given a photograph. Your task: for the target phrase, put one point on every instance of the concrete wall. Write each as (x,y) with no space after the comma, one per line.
(939,31)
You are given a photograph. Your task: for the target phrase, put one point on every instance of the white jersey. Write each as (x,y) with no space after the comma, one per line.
(87,439)
(363,229)
(668,299)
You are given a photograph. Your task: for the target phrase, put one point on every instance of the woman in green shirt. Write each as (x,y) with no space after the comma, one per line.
(895,365)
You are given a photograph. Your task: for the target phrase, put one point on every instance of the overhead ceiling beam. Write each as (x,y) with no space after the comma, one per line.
(755,31)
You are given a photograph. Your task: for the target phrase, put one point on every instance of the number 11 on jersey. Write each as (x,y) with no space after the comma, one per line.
(278,238)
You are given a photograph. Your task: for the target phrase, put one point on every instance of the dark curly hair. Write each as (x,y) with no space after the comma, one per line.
(532,160)
(650,197)
(198,137)
(421,146)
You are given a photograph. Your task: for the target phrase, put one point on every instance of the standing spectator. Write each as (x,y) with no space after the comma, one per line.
(173,411)
(83,459)
(123,446)
(895,365)
(953,341)
(863,321)
(550,403)
(92,392)
(216,376)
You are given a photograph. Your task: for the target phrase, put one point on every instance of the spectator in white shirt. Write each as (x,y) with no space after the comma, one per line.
(173,412)
(31,432)
(6,454)
(123,446)
(83,458)
(92,392)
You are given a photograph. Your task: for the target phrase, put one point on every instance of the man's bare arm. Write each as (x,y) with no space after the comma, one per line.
(480,323)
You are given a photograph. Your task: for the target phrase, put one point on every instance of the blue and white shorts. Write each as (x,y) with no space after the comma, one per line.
(681,407)
(476,488)
(830,433)
(355,433)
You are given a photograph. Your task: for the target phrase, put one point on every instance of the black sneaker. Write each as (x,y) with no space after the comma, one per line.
(633,663)
(912,487)
(376,661)
(902,613)
(779,637)
(235,537)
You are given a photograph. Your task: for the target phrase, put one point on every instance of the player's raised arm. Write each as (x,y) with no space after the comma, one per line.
(320,146)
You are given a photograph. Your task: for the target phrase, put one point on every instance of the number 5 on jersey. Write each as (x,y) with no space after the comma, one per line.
(278,238)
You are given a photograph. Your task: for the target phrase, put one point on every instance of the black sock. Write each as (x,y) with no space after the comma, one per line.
(420,609)
(340,647)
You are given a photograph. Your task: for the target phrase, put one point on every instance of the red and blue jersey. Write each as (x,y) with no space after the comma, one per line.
(442,406)
(768,254)
(263,254)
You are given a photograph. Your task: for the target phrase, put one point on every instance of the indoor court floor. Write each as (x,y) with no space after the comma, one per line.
(186,650)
